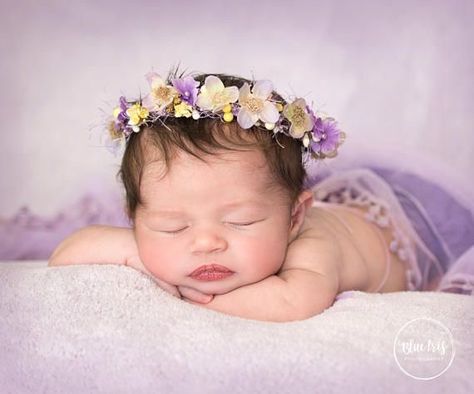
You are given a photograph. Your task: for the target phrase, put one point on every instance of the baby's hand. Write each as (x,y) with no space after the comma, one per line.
(136,263)
(184,292)
(192,295)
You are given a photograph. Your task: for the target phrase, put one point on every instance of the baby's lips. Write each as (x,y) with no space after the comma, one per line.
(210,268)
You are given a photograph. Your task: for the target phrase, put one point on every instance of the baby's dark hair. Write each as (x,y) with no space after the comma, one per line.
(207,136)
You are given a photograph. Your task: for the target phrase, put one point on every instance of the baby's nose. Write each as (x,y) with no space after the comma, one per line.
(208,241)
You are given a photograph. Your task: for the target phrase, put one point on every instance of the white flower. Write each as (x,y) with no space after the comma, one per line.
(161,95)
(254,106)
(299,118)
(306,140)
(213,96)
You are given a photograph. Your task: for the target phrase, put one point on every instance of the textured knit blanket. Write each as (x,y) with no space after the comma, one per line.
(110,329)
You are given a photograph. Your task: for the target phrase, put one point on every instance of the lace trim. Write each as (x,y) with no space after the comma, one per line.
(457,283)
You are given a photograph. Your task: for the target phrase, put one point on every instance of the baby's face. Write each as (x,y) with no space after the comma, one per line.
(221,211)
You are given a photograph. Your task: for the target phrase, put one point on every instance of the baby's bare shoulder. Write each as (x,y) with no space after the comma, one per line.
(324,245)
(315,252)
(313,265)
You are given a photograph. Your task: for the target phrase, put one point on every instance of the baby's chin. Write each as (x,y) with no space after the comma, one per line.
(219,287)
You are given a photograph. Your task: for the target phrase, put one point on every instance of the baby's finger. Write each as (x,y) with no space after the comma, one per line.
(173,290)
(195,295)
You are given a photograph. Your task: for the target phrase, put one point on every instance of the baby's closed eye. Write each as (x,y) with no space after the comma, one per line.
(175,231)
(179,229)
(244,223)
(168,227)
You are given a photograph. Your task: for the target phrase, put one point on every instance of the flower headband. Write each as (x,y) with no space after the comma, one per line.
(252,105)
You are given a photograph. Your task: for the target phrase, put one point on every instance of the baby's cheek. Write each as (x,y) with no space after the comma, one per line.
(267,257)
(154,256)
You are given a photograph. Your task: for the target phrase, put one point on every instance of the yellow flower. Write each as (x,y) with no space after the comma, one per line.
(299,118)
(114,134)
(183,109)
(117,111)
(137,114)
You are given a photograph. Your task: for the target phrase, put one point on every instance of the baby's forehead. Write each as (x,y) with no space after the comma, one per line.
(234,173)
(246,162)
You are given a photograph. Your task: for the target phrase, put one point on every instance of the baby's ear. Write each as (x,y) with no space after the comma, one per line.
(298,211)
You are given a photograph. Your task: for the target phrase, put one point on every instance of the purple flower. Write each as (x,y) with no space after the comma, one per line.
(123,103)
(311,114)
(121,117)
(187,88)
(326,136)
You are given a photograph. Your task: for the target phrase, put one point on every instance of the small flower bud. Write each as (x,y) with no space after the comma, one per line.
(228,116)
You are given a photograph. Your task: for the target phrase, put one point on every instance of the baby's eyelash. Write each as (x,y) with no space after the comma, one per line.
(244,224)
(231,223)
(174,231)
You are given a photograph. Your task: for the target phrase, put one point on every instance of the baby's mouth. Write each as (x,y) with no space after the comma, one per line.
(211,272)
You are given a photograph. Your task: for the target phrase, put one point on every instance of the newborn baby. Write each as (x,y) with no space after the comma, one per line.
(221,219)
(223,227)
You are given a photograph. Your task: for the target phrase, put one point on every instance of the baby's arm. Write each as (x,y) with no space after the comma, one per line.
(291,295)
(297,292)
(96,245)
(107,245)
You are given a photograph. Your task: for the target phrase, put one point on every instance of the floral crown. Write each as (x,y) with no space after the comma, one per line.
(251,104)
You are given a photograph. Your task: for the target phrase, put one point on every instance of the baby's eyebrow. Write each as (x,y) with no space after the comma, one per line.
(225,207)
(170,214)
(237,204)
